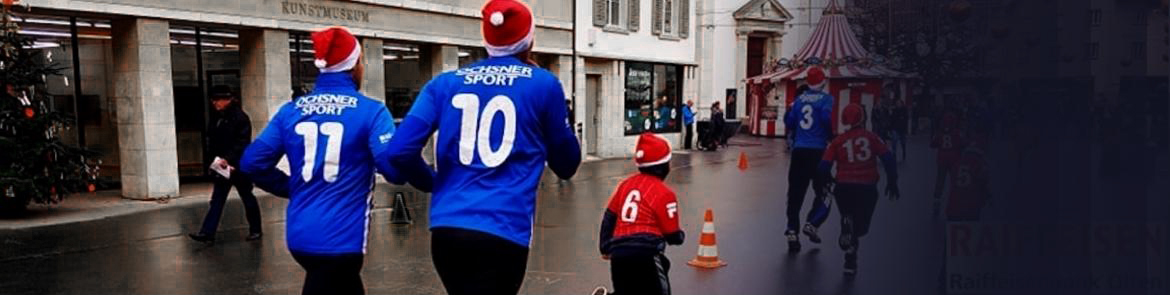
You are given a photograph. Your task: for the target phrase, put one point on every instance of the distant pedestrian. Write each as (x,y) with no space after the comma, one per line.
(810,117)
(689,122)
(228,134)
(855,154)
(640,220)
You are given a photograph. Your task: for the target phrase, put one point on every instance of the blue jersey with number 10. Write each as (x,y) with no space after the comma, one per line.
(810,117)
(334,138)
(498,121)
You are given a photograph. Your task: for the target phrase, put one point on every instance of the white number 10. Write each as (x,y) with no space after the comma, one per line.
(476,131)
(309,130)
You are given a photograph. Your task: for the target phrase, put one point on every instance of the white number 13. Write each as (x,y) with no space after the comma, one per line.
(475,132)
(309,130)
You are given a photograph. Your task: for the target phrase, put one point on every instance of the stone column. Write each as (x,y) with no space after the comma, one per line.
(373,82)
(741,48)
(145,108)
(776,45)
(266,82)
(442,58)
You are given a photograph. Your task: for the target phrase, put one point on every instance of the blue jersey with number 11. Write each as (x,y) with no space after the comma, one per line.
(334,138)
(498,121)
(810,118)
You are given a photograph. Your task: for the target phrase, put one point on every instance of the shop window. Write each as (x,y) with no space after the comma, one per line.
(652,98)
(470,55)
(303,71)
(80,47)
(404,76)
(201,58)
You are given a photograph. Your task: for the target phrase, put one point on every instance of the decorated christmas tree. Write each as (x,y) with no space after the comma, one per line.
(35,165)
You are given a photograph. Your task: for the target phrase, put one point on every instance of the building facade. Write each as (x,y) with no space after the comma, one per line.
(737,39)
(636,66)
(137,72)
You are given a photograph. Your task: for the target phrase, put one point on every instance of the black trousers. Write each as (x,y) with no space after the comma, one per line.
(474,262)
(640,272)
(856,203)
(802,169)
(331,274)
(690,135)
(219,196)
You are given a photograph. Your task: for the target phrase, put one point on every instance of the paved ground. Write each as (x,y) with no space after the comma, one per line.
(147,252)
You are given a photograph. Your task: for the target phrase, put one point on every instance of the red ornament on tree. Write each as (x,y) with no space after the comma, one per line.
(960,10)
(91,188)
(29,112)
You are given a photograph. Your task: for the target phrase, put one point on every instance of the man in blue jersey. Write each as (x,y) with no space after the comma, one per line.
(498,121)
(335,138)
(811,118)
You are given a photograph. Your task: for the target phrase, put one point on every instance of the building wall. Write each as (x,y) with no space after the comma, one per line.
(719,53)
(437,21)
(641,45)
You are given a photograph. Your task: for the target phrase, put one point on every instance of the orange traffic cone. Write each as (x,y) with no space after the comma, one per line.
(743,163)
(708,254)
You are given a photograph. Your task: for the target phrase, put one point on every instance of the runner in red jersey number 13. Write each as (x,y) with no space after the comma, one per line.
(855,152)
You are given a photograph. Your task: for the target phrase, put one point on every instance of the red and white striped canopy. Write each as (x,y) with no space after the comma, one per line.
(833,39)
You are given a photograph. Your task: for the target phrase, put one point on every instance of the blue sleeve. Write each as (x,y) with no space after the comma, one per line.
(381,132)
(564,152)
(825,112)
(405,150)
(260,159)
(790,116)
(891,167)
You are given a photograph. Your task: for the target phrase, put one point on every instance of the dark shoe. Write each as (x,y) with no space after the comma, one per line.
(811,231)
(202,237)
(793,241)
(254,236)
(850,264)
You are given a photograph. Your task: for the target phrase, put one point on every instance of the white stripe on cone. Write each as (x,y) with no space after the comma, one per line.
(708,251)
(708,228)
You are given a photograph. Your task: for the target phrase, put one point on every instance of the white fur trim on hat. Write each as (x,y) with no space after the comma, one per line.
(344,65)
(663,160)
(511,49)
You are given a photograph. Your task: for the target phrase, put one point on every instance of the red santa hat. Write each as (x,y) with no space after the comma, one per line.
(507,27)
(853,115)
(652,149)
(816,78)
(336,50)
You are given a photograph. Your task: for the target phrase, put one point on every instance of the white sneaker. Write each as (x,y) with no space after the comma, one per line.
(600,290)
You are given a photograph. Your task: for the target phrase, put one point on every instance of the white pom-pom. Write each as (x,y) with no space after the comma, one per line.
(639,154)
(320,63)
(497,18)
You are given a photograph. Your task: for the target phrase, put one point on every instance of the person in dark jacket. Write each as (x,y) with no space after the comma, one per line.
(228,134)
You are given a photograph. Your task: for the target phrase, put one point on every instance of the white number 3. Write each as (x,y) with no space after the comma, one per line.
(475,131)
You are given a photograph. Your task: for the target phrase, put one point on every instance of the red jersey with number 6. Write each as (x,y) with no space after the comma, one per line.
(856,153)
(644,205)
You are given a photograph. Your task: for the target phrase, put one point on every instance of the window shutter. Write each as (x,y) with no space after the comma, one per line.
(657,27)
(684,18)
(600,13)
(635,15)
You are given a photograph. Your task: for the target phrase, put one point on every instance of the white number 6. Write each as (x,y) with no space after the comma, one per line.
(630,209)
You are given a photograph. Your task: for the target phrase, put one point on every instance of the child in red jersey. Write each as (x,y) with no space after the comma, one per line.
(855,152)
(969,190)
(948,140)
(640,220)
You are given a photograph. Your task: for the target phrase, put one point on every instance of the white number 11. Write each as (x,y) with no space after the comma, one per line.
(309,130)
